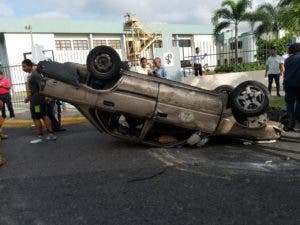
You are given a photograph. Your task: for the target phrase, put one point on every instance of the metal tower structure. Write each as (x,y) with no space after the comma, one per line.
(138,40)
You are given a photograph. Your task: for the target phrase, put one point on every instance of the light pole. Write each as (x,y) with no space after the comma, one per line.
(29,28)
(229,44)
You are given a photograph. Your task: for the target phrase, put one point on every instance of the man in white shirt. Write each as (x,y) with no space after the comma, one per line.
(197,61)
(143,68)
(274,69)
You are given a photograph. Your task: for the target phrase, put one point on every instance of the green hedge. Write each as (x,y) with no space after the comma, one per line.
(280,45)
(240,67)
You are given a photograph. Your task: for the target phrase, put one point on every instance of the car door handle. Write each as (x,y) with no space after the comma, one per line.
(161,114)
(108,103)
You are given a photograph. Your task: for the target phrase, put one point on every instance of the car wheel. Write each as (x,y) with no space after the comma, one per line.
(103,62)
(225,91)
(249,99)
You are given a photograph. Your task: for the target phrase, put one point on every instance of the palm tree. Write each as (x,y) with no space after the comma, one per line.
(268,18)
(231,12)
(290,14)
(289,3)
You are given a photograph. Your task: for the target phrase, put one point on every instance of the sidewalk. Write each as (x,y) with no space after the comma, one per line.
(23,118)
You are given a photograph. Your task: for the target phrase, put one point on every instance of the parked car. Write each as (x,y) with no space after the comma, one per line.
(153,110)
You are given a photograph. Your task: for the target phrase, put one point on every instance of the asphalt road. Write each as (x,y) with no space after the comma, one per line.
(88,178)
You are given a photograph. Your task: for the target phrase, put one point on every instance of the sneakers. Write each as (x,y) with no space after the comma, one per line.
(51,137)
(39,139)
(2,160)
(3,136)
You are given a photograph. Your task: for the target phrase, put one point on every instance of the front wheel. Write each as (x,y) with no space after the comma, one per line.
(249,99)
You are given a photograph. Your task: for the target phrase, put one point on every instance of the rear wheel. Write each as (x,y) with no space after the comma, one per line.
(103,63)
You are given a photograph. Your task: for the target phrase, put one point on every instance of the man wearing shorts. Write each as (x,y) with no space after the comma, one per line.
(37,102)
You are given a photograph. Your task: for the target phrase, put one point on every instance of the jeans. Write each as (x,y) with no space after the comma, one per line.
(198,69)
(51,114)
(6,99)
(276,77)
(292,99)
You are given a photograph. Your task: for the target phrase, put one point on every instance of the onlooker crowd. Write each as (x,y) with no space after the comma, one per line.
(157,70)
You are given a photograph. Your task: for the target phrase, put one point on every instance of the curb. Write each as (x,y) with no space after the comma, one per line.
(24,123)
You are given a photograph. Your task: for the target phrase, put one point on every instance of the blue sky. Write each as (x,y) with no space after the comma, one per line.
(175,11)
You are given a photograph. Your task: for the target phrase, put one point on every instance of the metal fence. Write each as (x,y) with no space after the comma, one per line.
(18,77)
(18,90)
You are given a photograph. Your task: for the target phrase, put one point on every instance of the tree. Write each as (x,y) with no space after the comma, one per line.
(268,18)
(290,14)
(280,45)
(231,13)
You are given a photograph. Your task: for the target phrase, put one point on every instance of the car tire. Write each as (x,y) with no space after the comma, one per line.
(103,63)
(225,91)
(249,99)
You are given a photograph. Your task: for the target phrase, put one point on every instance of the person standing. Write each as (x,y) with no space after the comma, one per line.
(197,62)
(37,102)
(291,83)
(5,96)
(159,70)
(274,69)
(2,136)
(143,68)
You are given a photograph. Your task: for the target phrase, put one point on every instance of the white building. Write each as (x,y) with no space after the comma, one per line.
(65,37)
(70,40)
(226,48)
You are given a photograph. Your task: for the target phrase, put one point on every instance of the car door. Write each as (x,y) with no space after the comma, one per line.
(134,96)
(188,107)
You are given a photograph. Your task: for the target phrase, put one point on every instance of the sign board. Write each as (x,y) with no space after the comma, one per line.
(168,59)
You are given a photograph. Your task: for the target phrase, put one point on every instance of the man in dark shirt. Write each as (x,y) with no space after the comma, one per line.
(37,102)
(291,84)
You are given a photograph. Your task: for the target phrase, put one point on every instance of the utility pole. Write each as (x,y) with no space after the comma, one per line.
(33,51)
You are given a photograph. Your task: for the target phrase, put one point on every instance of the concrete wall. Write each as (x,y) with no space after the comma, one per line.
(3,56)
(79,56)
(17,44)
(173,69)
(249,49)
(210,82)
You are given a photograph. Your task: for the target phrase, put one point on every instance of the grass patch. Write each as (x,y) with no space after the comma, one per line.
(2,160)
(277,102)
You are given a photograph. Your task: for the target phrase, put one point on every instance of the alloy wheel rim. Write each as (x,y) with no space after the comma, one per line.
(251,98)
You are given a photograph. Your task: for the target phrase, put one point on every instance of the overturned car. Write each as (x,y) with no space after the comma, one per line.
(153,110)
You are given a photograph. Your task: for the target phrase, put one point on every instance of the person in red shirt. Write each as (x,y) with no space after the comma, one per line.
(2,136)
(5,97)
